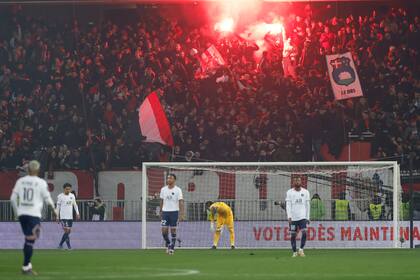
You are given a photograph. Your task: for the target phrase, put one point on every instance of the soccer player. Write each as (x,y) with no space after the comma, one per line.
(171,208)
(220,213)
(298,208)
(66,201)
(28,197)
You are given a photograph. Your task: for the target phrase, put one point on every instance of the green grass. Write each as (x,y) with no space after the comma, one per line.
(220,264)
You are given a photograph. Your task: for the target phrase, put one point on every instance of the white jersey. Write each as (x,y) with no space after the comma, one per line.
(298,204)
(171,198)
(29,195)
(65,205)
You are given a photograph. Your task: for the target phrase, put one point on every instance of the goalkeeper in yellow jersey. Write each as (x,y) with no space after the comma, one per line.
(220,213)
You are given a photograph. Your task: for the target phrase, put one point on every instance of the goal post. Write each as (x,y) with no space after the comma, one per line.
(357,204)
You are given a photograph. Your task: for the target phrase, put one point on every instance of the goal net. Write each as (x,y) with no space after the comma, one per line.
(353,204)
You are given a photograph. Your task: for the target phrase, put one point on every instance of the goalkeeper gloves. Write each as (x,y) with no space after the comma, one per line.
(212,226)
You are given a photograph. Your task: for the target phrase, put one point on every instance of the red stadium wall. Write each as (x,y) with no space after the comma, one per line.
(7,180)
(127,185)
(406,187)
(82,182)
(359,151)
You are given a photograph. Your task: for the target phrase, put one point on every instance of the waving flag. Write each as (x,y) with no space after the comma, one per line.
(213,57)
(153,122)
(210,60)
(345,82)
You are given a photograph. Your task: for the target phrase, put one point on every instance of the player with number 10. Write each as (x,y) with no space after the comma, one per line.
(28,197)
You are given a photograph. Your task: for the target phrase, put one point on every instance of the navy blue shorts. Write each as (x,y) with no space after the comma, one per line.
(31,226)
(66,223)
(298,225)
(170,219)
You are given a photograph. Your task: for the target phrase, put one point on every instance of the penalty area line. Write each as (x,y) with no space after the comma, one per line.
(141,272)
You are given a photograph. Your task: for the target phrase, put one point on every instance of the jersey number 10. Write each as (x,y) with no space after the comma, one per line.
(28,194)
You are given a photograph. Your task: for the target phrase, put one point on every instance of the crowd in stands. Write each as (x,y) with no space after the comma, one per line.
(69,93)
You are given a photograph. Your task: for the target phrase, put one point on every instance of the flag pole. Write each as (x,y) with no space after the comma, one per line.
(172,153)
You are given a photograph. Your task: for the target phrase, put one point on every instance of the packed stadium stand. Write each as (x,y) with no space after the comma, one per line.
(69,92)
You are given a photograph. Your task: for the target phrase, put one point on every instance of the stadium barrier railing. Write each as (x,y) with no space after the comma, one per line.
(130,210)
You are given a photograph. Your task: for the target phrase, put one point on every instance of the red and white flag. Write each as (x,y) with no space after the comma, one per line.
(210,60)
(213,57)
(153,122)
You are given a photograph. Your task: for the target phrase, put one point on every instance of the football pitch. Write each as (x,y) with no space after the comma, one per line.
(218,264)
